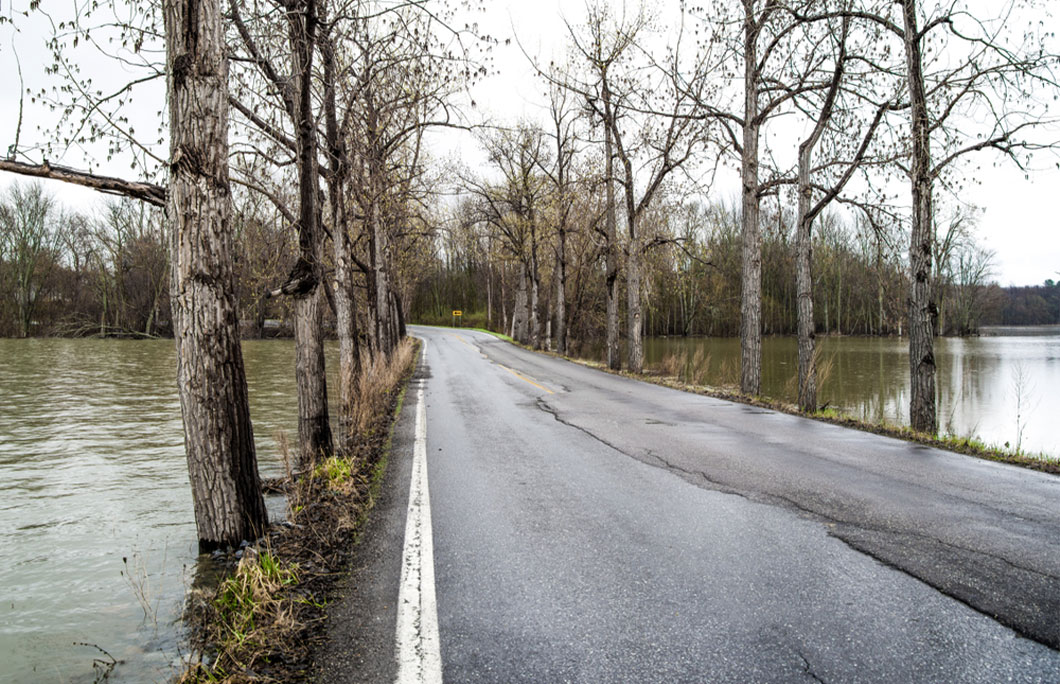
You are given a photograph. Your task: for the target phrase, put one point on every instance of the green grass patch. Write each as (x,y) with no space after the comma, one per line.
(336,470)
(498,335)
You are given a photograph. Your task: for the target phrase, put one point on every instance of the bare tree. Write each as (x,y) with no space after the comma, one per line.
(647,130)
(29,237)
(314,426)
(218,437)
(260,41)
(763,37)
(841,165)
(515,207)
(987,94)
(608,43)
(563,120)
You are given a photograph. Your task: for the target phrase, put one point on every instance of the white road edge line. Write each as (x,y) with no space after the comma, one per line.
(418,650)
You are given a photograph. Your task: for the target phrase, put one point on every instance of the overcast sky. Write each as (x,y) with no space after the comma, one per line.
(1020,222)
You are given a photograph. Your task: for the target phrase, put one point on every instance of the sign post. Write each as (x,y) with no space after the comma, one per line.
(457,313)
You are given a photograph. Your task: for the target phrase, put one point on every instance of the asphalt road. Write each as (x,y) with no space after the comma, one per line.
(591,528)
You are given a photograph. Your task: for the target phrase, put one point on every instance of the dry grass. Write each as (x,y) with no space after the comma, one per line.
(261,622)
(694,370)
(673,364)
(379,376)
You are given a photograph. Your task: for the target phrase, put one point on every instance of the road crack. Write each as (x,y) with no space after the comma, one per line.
(543,405)
(871,540)
(808,669)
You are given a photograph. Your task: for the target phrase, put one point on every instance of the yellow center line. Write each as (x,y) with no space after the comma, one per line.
(458,337)
(513,372)
(523,377)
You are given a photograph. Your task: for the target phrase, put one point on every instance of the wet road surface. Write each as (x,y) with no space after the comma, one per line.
(591,528)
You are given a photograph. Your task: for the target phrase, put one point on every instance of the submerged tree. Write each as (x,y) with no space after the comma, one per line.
(971,86)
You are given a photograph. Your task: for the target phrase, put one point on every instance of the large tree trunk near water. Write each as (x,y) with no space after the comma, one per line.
(218,438)
(314,426)
(804,286)
(345,303)
(751,281)
(922,415)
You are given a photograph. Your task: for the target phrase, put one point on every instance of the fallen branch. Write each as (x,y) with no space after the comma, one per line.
(147,192)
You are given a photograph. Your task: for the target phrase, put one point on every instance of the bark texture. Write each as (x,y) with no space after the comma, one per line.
(614,360)
(751,280)
(218,438)
(922,414)
(314,426)
(521,314)
(561,292)
(804,283)
(380,253)
(345,303)
(635,338)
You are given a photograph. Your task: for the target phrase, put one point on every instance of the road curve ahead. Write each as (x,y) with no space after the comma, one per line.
(591,528)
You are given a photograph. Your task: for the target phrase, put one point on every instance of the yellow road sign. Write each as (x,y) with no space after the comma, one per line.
(458,312)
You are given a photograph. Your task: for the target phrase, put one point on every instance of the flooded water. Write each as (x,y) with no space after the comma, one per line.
(1002,387)
(97,531)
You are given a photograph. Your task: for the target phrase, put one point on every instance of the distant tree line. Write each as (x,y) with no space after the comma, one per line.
(692,278)
(1029,305)
(107,274)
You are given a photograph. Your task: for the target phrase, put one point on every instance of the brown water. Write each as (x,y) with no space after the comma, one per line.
(982,381)
(97,533)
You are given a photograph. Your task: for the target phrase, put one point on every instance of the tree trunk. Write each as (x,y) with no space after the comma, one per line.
(314,427)
(634,313)
(922,415)
(804,286)
(635,338)
(381,285)
(489,288)
(399,307)
(346,328)
(218,438)
(535,304)
(879,286)
(561,294)
(345,303)
(504,305)
(614,361)
(751,275)
(520,313)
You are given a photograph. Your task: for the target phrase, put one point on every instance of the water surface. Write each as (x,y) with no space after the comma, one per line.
(1000,387)
(97,531)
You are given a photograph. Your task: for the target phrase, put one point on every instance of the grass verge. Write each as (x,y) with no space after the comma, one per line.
(498,335)
(261,621)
